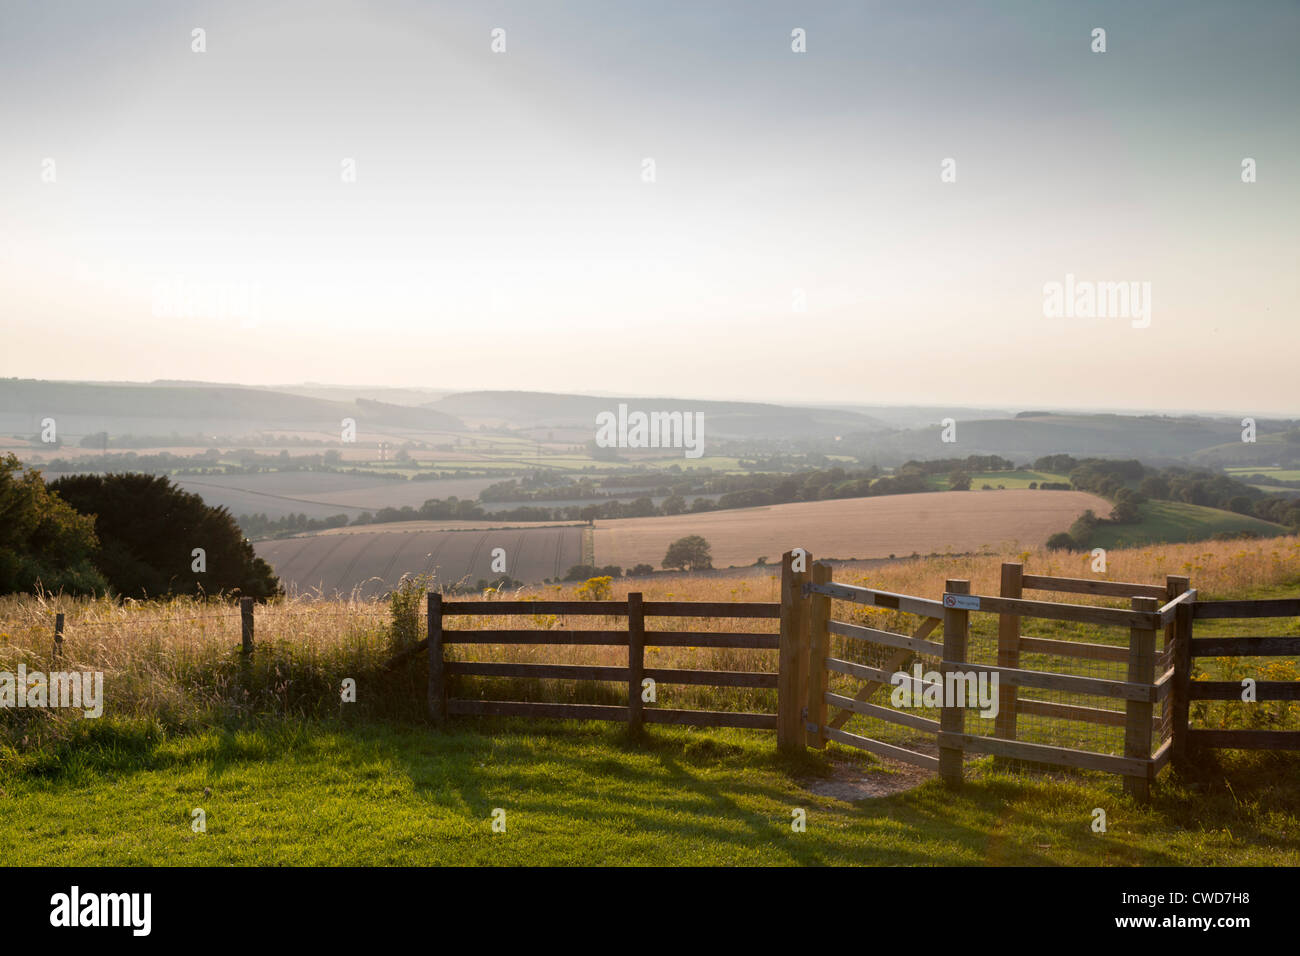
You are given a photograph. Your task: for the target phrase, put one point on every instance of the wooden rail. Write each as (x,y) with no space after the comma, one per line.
(1187,740)
(635,638)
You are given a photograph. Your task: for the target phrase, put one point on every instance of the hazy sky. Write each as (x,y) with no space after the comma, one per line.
(500,234)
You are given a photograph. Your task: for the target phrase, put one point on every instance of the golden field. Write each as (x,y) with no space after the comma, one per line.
(927,523)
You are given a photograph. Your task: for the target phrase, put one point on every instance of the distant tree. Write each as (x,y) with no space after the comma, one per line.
(148,530)
(1061,542)
(580,572)
(1241,504)
(690,553)
(959,481)
(673,505)
(44,542)
(1153,486)
(641,571)
(1126,507)
(1082,530)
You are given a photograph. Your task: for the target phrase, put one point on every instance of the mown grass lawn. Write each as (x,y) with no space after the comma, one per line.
(325,794)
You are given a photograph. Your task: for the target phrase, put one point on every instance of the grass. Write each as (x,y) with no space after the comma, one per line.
(324,794)
(296,779)
(1007,479)
(1282,474)
(1177,521)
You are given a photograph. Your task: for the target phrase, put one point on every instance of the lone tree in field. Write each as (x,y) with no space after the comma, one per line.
(690,553)
(150,535)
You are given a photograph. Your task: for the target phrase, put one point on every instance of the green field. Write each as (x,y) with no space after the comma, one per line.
(1008,479)
(324,794)
(1175,521)
(1282,474)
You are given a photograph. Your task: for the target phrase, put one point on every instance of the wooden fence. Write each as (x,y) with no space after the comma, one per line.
(634,636)
(1151,703)
(1188,740)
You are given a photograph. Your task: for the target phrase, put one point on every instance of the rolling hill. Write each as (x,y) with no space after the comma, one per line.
(722,419)
(1176,521)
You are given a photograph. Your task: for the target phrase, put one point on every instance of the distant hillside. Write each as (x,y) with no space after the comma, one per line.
(722,419)
(920,416)
(1146,437)
(1267,449)
(82,408)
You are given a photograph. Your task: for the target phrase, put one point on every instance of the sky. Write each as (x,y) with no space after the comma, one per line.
(368,193)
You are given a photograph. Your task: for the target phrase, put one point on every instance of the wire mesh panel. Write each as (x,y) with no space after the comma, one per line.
(901,694)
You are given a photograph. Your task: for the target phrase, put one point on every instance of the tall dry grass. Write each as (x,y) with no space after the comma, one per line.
(177,663)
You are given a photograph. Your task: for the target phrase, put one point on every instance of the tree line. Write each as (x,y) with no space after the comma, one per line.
(128,535)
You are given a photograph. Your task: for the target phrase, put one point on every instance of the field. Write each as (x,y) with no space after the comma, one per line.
(1007,479)
(373,561)
(322,494)
(933,522)
(287,776)
(1282,474)
(1177,521)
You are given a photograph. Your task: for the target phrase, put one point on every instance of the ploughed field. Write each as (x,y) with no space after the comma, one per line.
(926,523)
(322,494)
(373,562)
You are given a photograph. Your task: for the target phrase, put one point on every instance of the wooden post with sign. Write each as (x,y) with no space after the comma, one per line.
(952,720)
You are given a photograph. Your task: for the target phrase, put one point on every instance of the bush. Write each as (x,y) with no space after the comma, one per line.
(641,571)
(596,589)
(1082,529)
(1061,541)
(405,604)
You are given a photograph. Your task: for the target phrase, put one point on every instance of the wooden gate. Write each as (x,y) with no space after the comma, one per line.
(892,652)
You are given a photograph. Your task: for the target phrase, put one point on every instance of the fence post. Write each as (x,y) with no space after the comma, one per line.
(246,622)
(818,647)
(789,686)
(1175,584)
(952,720)
(437,672)
(58,634)
(1180,693)
(1004,725)
(1137,724)
(635,662)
